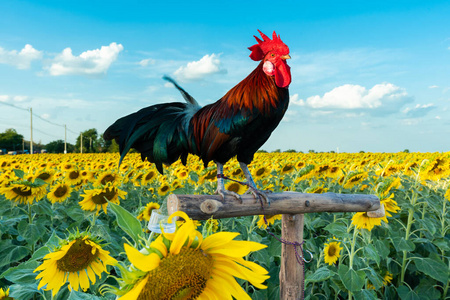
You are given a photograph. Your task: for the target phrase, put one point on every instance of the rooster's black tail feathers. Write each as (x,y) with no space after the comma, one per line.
(159,132)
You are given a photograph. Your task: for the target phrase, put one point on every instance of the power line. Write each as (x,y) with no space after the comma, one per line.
(41,118)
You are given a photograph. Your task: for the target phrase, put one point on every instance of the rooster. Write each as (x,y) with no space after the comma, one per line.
(238,124)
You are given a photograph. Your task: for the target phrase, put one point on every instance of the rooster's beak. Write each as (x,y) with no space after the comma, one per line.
(287,56)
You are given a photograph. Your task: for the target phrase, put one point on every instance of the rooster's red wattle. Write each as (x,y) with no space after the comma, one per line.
(238,124)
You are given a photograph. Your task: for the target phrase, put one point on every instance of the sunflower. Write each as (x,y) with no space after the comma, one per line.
(390,205)
(4,294)
(164,189)
(182,173)
(261,172)
(447,194)
(45,175)
(354,178)
(24,191)
(211,225)
(86,175)
(98,198)
(76,262)
(387,278)
(106,177)
(332,252)
(147,211)
(362,220)
(184,265)
(148,177)
(66,166)
(235,187)
(287,168)
(59,192)
(73,177)
(270,220)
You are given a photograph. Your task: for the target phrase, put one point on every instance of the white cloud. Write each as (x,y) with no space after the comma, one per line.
(418,111)
(350,96)
(4,98)
(207,65)
(433,86)
(22,59)
(146,62)
(20,98)
(90,62)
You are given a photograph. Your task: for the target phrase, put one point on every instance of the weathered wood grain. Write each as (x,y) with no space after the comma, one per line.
(202,207)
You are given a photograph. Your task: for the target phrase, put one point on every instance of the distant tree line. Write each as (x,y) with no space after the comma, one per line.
(89,141)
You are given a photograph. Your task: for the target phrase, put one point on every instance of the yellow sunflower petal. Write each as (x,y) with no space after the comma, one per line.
(133,294)
(218,239)
(84,280)
(237,248)
(184,233)
(159,245)
(143,262)
(242,272)
(74,281)
(228,283)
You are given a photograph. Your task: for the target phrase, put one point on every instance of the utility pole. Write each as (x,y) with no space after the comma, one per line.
(65,139)
(31,135)
(81,143)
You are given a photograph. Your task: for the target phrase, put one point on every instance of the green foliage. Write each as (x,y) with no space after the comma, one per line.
(58,146)
(11,140)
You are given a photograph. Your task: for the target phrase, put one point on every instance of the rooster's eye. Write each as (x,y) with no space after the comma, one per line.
(273,55)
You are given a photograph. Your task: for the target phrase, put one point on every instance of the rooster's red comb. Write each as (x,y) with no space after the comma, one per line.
(266,44)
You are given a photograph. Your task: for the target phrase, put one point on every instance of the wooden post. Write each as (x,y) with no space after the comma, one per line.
(292,206)
(291,272)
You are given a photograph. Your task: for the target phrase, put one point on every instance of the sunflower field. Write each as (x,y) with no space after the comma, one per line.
(74,226)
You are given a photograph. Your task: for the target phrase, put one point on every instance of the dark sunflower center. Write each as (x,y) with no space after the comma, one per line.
(74,175)
(331,250)
(61,191)
(78,257)
(150,175)
(22,191)
(236,172)
(287,168)
(164,188)
(44,176)
(234,187)
(102,198)
(260,171)
(355,179)
(211,175)
(107,178)
(179,277)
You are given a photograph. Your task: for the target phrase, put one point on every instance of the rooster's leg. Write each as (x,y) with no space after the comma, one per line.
(251,183)
(221,185)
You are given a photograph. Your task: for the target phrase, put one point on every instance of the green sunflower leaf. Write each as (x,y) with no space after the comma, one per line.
(127,222)
(406,294)
(432,267)
(11,253)
(352,280)
(19,173)
(22,274)
(321,274)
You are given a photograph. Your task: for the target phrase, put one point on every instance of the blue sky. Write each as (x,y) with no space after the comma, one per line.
(366,75)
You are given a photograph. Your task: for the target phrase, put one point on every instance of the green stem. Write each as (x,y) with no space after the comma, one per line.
(446,286)
(407,235)
(30,221)
(352,255)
